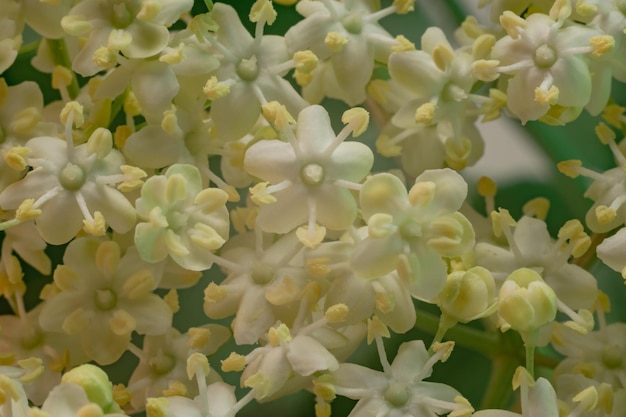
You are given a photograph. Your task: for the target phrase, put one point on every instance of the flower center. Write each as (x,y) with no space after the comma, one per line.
(105,299)
(72,177)
(396,394)
(248,69)
(121,16)
(410,229)
(312,174)
(612,356)
(263,274)
(353,23)
(545,56)
(162,363)
(31,339)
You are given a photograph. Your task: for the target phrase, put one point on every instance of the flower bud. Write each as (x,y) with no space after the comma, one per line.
(469,295)
(526,302)
(96,384)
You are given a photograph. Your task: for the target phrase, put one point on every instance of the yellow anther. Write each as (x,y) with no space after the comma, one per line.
(134,178)
(121,395)
(76,321)
(471,27)
(279,334)
(302,78)
(305,61)
(197,365)
(500,219)
(580,246)
(15,157)
(561,9)
(445,348)
(481,48)
(386,148)
(486,187)
(259,194)
(171,299)
(336,313)
(97,226)
(422,193)
(26,211)
(262,10)
(105,57)
(210,199)
(132,107)
(572,229)
(175,244)
(173,56)
(324,388)
(335,41)
(318,267)
(443,56)
(402,45)
(169,123)
(586,369)
(74,108)
(404,6)
(286,2)
(122,132)
(522,376)
(358,118)
(260,382)
(466,409)
(512,23)
(26,120)
(76,25)
(425,113)
(206,237)
(605,133)
(380,225)
(605,397)
(214,89)
(234,363)
(547,97)
(149,9)
(385,302)
(588,397)
(61,77)
(175,388)
(570,168)
(33,367)
(585,9)
(376,328)
(122,323)
(277,114)
(614,114)
(601,44)
(138,284)
(199,337)
(119,39)
(157,407)
(65,278)
(491,109)
(537,207)
(100,142)
(605,214)
(485,69)
(311,239)
(214,293)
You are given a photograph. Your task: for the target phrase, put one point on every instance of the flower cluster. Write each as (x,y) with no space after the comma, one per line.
(176,194)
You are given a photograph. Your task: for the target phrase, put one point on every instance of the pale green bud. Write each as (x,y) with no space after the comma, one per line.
(469,295)
(96,384)
(526,302)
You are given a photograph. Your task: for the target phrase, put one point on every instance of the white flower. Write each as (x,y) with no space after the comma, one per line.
(400,389)
(70,183)
(357,40)
(252,68)
(105,296)
(543,57)
(412,231)
(311,176)
(180,219)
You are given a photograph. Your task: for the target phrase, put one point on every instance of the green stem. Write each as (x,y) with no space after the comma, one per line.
(498,391)
(530,359)
(29,47)
(468,337)
(61,57)
(209,4)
